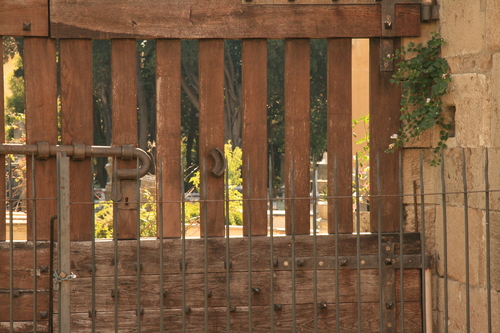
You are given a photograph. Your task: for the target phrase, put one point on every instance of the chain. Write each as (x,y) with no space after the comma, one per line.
(60,277)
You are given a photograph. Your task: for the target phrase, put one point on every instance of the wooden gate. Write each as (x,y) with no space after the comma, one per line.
(344,281)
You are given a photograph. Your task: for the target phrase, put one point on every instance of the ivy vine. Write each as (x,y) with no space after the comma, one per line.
(424,79)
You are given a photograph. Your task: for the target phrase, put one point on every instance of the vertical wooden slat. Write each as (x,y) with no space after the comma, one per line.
(384,121)
(254,107)
(340,133)
(124,117)
(40,77)
(2,162)
(168,127)
(77,127)
(211,96)
(297,133)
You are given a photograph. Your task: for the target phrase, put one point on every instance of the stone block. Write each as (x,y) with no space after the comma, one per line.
(462,26)
(493,25)
(456,250)
(413,223)
(495,95)
(470,94)
(411,174)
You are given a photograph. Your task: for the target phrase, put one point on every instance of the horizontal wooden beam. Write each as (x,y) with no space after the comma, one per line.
(24,18)
(222,19)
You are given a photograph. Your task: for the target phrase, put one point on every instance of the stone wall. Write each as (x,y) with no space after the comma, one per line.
(471,30)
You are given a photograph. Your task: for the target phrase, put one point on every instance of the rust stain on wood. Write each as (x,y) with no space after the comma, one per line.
(41,125)
(211,97)
(254,136)
(168,132)
(77,126)
(384,122)
(297,135)
(340,134)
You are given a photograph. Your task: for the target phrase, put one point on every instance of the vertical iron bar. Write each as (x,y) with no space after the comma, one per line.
(379,235)
(358,244)
(228,264)
(249,228)
(487,245)
(466,231)
(115,240)
(271,241)
(336,206)
(315,268)
(183,241)
(159,224)
(401,242)
(63,241)
(292,194)
(138,249)
(93,247)
(11,249)
(445,243)
(205,244)
(35,261)
(422,217)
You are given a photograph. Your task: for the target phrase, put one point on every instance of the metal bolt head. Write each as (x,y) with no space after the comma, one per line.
(322,305)
(388,261)
(16,293)
(278,307)
(343,262)
(44,269)
(187,310)
(43,314)
(27,26)
(209,294)
(300,262)
(232,308)
(285,263)
(321,263)
(255,290)
(389,305)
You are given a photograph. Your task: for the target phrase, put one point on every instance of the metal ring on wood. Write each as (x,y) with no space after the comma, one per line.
(43,150)
(219,162)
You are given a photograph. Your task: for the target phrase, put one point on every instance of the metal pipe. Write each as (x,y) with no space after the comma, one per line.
(79,151)
(249,228)
(466,232)
(358,244)
(138,251)
(159,221)
(228,263)
(271,241)
(401,244)
(93,313)
(488,240)
(11,251)
(424,263)
(336,210)
(445,245)
(35,259)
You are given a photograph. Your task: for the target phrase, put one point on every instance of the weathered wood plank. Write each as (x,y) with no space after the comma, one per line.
(23,268)
(124,117)
(261,319)
(168,132)
(223,19)
(2,162)
(23,305)
(81,294)
(211,97)
(384,122)
(77,127)
(41,125)
(254,108)
(25,326)
(297,135)
(217,253)
(340,134)
(24,18)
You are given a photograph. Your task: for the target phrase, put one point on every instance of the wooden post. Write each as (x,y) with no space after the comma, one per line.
(77,126)
(124,117)
(41,125)
(168,131)
(297,134)
(2,164)
(384,122)
(340,134)
(211,96)
(254,108)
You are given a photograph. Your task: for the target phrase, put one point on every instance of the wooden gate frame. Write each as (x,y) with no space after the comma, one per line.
(75,23)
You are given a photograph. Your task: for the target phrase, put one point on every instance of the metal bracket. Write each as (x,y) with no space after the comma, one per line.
(388,287)
(386,54)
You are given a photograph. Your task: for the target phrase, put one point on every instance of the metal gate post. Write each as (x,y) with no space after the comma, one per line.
(61,276)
